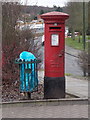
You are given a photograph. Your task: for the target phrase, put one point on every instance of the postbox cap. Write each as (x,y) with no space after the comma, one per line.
(54,15)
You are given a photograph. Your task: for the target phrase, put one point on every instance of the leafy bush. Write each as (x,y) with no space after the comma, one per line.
(14,42)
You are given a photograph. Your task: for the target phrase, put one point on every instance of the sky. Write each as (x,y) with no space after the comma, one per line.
(45,3)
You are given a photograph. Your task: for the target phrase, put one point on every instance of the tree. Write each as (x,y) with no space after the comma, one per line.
(10,14)
(74,9)
(59,9)
(14,42)
(41,11)
(54,6)
(88,30)
(75,21)
(35,17)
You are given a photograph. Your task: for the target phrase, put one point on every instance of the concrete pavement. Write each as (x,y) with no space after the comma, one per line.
(75,86)
(65,111)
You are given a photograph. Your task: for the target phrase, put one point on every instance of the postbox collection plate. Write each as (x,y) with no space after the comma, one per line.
(54,40)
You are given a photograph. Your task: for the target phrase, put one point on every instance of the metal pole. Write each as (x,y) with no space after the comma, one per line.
(84,31)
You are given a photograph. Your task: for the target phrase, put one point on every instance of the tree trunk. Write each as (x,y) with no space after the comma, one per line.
(84,72)
(79,40)
(89,68)
(73,34)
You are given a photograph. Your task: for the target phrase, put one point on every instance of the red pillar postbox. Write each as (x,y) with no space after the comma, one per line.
(54,80)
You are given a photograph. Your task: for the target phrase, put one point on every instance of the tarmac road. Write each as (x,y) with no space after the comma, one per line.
(71,62)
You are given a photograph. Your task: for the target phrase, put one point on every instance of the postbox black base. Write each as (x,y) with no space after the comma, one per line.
(54,87)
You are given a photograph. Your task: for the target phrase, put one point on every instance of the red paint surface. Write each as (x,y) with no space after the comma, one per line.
(54,55)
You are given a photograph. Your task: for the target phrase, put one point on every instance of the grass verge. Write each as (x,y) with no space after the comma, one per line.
(75,43)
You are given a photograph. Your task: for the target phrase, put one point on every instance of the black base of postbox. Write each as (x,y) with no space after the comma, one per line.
(54,87)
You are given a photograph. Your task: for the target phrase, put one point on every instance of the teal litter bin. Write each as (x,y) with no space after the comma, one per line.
(28,71)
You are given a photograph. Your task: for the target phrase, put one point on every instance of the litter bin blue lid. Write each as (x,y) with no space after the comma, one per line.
(27,56)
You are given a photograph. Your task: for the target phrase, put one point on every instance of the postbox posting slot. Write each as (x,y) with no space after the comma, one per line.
(55,28)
